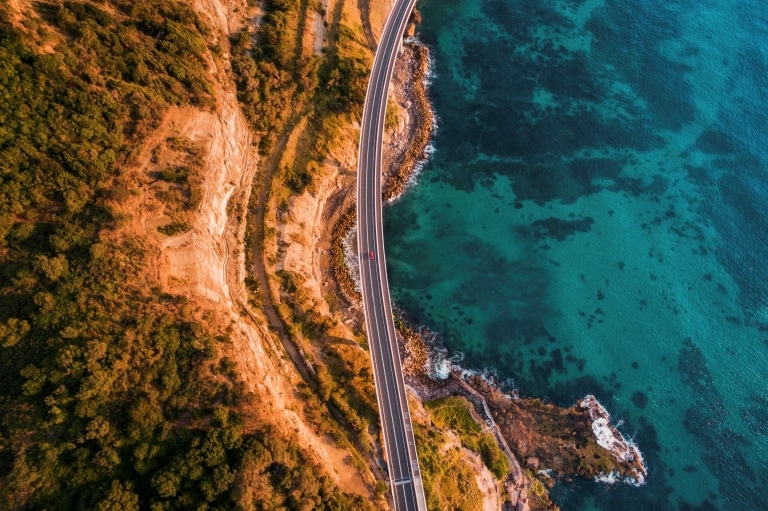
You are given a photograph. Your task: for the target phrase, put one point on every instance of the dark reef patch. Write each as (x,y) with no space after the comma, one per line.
(715,142)
(639,399)
(695,374)
(744,212)
(636,47)
(723,448)
(555,228)
(756,414)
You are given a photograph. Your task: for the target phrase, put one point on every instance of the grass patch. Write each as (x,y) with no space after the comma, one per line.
(453,413)
(449,482)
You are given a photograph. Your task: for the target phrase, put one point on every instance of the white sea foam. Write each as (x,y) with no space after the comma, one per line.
(438,364)
(441,370)
(429,77)
(610,478)
(431,74)
(614,477)
(429,149)
(413,177)
(441,363)
(611,439)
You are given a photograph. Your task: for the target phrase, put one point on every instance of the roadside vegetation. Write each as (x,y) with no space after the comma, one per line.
(279,84)
(454,413)
(113,395)
(300,104)
(450,480)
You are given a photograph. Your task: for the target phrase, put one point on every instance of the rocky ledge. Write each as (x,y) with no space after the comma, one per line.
(546,442)
(403,152)
(579,440)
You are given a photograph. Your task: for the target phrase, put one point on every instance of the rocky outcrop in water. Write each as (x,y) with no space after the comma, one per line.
(624,451)
(579,440)
(547,441)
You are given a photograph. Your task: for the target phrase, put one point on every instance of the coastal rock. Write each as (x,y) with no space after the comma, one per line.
(553,441)
(608,437)
(579,440)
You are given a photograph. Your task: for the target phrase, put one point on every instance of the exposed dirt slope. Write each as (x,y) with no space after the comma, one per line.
(206,262)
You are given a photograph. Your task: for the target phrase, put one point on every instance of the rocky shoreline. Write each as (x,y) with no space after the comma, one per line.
(410,90)
(551,442)
(545,442)
(403,153)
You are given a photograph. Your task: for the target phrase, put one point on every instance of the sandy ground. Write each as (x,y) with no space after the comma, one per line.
(378,15)
(318,35)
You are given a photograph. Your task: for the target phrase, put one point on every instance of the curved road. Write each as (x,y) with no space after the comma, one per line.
(399,444)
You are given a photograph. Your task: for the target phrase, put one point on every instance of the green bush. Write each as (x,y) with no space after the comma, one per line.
(454,413)
(178,174)
(174,228)
(493,456)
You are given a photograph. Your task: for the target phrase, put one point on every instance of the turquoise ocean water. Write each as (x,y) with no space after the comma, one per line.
(595,220)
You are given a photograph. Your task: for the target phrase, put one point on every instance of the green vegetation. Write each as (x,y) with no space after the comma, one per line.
(273,83)
(174,228)
(178,185)
(539,491)
(113,395)
(390,120)
(493,456)
(343,375)
(449,483)
(454,413)
(309,100)
(277,85)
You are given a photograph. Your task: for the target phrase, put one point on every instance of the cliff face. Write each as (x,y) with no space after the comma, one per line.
(203,260)
(207,262)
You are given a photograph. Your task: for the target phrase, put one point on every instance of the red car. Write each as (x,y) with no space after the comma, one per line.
(370,255)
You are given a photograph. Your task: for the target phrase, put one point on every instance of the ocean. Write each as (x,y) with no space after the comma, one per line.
(594,220)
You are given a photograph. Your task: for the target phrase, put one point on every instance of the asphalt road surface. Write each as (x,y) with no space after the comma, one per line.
(399,444)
